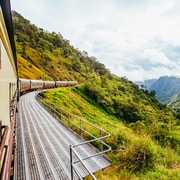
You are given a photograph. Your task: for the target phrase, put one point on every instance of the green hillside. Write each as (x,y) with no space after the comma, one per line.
(145,149)
(174,104)
(145,137)
(48,56)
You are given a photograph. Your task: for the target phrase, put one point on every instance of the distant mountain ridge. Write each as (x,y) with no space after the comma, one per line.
(146,83)
(167,90)
(165,87)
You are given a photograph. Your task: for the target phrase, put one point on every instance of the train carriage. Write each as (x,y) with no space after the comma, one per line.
(72,83)
(8,88)
(24,85)
(61,83)
(49,84)
(66,83)
(36,84)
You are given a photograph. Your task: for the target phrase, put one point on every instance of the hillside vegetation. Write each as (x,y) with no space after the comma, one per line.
(48,56)
(140,150)
(174,104)
(145,136)
(167,90)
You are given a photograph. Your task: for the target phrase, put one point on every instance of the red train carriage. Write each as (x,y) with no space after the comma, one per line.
(72,83)
(49,84)
(66,83)
(24,85)
(36,84)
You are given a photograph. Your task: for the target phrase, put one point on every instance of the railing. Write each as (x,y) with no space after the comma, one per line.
(86,130)
(6,151)
(4,132)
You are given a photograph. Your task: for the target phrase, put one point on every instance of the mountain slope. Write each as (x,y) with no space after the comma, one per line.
(166,87)
(174,104)
(53,55)
(146,83)
(140,150)
(167,90)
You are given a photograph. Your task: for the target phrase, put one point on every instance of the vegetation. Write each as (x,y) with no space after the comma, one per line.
(174,104)
(145,133)
(141,150)
(167,90)
(48,56)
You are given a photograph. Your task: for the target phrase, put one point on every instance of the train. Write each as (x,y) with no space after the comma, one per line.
(8,91)
(26,85)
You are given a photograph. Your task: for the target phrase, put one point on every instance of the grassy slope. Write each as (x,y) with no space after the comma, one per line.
(28,70)
(36,67)
(175,104)
(125,143)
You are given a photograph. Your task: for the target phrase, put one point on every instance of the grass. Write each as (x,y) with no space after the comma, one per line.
(133,156)
(29,71)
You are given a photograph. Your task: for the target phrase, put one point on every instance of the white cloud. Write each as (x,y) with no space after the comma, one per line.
(137,39)
(156,57)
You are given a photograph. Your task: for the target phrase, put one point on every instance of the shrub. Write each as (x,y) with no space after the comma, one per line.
(138,156)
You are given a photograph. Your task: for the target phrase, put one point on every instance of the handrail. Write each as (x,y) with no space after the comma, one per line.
(6,150)
(80,160)
(3,139)
(62,114)
(72,151)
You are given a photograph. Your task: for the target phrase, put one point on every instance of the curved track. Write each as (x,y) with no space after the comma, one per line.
(42,149)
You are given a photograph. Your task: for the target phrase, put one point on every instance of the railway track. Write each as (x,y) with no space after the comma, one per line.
(42,150)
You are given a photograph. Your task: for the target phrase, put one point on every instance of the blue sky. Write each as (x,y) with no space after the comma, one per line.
(139,39)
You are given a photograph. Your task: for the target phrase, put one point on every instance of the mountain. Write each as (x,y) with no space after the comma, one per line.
(166,87)
(145,134)
(146,83)
(167,90)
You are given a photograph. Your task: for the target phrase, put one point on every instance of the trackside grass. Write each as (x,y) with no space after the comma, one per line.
(134,155)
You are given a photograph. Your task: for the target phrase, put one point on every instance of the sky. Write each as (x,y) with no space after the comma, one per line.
(138,39)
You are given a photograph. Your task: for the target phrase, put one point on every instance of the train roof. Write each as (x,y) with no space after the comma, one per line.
(22,79)
(36,80)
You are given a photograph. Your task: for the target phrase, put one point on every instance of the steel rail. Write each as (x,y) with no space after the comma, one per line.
(73,151)
(80,160)
(51,105)
(62,114)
